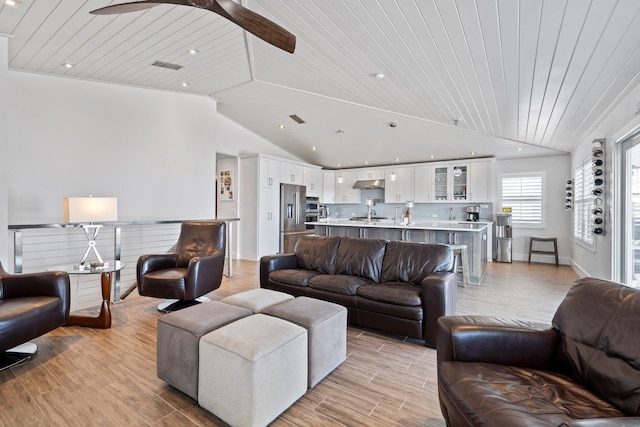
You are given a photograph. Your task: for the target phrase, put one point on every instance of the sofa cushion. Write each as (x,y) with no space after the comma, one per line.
(293,276)
(360,257)
(338,283)
(599,345)
(393,293)
(487,394)
(317,253)
(397,311)
(412,262)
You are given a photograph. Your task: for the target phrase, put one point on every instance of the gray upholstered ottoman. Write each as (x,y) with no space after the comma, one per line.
(257,300)
(326,325)
(252,370)
(179,335)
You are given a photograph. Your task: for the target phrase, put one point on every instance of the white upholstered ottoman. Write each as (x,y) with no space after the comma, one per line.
(257,300)
(252,370)
(179,335)
(326,325)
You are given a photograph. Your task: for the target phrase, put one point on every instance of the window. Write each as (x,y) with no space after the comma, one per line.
(523,194)
(582,200)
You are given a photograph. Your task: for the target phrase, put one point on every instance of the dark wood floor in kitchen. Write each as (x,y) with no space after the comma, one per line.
(91,377)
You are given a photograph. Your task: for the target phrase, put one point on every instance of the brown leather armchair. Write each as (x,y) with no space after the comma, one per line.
(30,305)
(193,270)
(582,370)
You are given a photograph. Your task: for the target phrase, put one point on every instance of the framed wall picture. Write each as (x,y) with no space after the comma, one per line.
(226,185)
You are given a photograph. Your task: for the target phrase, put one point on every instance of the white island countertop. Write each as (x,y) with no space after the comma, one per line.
(417,224)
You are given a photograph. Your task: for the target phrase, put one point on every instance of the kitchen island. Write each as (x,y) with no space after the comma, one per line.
(474,235)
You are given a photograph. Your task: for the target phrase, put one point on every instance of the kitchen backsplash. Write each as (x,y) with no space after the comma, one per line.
(421,211)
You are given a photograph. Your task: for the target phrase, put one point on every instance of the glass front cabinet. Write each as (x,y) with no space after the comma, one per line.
(451,182)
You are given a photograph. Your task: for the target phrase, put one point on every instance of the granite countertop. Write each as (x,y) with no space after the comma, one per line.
(417,224)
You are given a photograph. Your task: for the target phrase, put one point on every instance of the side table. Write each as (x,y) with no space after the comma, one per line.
(103,320)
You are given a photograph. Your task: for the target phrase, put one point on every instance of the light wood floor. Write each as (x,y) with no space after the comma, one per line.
(87,377)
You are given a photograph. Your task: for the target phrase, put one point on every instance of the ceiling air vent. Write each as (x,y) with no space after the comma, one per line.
(297,119)
(167,65)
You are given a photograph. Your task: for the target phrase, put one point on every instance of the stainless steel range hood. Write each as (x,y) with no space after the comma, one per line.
(369,183)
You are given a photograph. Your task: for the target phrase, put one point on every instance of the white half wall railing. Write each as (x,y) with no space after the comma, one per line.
(41,247)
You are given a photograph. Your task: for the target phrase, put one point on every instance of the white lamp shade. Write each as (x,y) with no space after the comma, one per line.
(90,209)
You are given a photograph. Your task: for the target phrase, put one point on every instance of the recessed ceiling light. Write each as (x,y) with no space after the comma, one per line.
(67,65)
(185,84)
(379,76)
(281,126)
(366,162)
(11,2)
(194,51)
(519,148)
(432,156)
(313,148)
(473,153)
(338,164)
(397,159)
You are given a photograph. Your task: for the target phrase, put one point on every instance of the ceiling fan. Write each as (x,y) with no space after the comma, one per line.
(256,24)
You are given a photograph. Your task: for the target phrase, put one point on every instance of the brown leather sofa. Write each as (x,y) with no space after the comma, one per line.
(583,370)
(396,287)
(30,305)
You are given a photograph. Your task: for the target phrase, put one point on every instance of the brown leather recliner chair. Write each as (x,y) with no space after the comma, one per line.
(582,370)
(30,305)
(193,270)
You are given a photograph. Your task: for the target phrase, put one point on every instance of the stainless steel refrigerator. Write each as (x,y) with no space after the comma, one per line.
(292,216)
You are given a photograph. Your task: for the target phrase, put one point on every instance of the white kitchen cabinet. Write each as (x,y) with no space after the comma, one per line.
(423,190)
(259,199)
(291,173)
(345,193)
(401,188)
(328,187)
(313,181)
(447,186)
(481,181)
(269,172)
(269,221)
(367,174)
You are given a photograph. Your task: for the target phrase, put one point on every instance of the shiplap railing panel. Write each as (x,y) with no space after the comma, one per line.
(47,248)
(137,240)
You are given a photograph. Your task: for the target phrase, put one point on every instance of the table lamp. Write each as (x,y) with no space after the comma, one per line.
(90,210)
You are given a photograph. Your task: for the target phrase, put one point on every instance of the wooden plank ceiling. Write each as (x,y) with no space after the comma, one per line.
(526,78)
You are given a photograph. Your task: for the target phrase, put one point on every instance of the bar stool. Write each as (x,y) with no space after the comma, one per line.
(461,250)
(543,239)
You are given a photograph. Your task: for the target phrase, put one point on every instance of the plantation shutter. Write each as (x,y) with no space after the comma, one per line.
(583,186)
(523,194)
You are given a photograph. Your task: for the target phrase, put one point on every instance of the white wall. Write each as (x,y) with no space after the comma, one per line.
(558,220)
(621,120)
(153,150)
(4,149)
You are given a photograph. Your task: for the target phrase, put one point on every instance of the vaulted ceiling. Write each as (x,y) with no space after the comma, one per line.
(524,78)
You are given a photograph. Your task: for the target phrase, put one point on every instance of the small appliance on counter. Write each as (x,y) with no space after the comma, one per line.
(473,213)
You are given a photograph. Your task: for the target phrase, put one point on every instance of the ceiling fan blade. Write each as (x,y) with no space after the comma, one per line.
(256,24)
(137,6)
